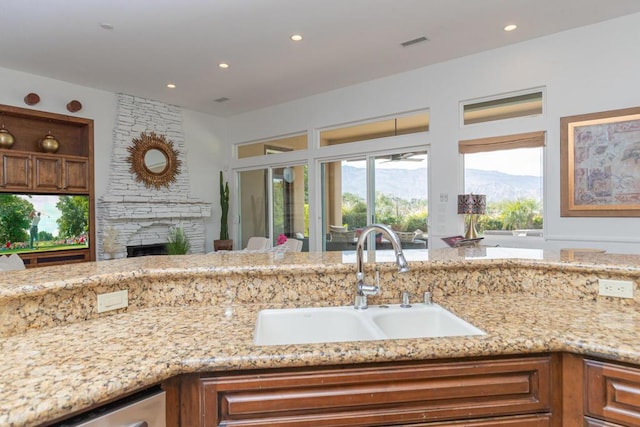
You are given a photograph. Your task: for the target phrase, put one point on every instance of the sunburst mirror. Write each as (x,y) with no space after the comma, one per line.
(154,161)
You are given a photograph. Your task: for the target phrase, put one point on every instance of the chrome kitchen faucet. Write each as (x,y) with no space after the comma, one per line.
(363,290)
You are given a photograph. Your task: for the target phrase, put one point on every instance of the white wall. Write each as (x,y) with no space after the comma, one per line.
(203,133)
(586,70)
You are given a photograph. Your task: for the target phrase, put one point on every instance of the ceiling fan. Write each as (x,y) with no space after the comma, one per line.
(407,157)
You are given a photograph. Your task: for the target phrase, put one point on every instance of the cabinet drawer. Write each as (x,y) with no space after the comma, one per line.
(524,421)
(613,392)
(592,422)
(376,396)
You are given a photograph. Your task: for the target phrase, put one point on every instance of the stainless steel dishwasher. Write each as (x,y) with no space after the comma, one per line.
(144,409)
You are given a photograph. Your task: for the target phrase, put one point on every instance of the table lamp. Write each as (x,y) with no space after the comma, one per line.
(471,205)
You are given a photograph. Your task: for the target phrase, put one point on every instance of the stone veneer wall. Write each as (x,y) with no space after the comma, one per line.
(139,214)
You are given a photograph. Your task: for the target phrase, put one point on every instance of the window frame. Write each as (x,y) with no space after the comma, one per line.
(536,139)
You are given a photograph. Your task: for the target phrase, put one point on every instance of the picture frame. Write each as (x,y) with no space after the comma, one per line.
(600,164)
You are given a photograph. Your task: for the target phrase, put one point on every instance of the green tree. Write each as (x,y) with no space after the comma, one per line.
(74,220)
(521,213)
(487,222)
(387,209)
(415,221)
(354,211)
(44,236)
(14,218)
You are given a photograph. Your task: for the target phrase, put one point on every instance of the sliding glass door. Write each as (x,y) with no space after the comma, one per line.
(387,188)
(274,201)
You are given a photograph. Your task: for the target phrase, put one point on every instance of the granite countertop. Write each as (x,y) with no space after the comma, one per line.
(49,372)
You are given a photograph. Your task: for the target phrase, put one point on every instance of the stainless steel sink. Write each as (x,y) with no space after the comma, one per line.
(336,324)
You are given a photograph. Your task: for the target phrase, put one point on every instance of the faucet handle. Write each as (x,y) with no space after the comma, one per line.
(427,298)
(404,296)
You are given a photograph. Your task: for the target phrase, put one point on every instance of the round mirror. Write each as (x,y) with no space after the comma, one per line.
(155,161)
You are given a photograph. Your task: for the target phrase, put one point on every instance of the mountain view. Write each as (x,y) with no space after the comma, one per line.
(496,185)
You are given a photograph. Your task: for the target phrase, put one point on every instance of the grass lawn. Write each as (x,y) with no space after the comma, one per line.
(43,247)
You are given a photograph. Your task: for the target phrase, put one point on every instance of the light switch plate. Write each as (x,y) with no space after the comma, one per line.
(113,301)
(615,288)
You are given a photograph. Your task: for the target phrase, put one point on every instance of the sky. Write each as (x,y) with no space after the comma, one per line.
(512,162)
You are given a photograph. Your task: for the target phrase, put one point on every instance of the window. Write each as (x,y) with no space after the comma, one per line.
(522,105)
(274,201)
(273,146)
(387,188)
(508,170)
(403,125)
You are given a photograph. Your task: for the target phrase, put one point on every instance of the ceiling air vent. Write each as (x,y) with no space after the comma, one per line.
(414,41)
(223,99)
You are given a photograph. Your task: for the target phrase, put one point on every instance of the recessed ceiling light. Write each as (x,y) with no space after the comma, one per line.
(106,26)
(296,37)
(223,65)
(171,86)
(510,27)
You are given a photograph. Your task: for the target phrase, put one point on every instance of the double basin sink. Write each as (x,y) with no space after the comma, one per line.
(336,324)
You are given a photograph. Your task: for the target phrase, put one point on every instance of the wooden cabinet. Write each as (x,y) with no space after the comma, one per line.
(16,171)
(25,168)
(75,178)
(44,173)
(64,174)
(48,173)
(612,393)
(500,392)
(599,393)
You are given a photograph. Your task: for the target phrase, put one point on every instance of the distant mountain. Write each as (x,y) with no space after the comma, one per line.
(412,183)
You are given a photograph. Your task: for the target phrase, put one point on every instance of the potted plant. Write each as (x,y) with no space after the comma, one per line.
(224,243)
(177,242)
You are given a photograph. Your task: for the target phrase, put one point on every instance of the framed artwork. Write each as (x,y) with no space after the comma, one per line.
(600,164)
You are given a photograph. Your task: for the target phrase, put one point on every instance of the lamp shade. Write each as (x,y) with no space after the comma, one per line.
(474,204)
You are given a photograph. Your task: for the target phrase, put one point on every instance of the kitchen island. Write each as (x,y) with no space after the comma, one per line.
(196,314)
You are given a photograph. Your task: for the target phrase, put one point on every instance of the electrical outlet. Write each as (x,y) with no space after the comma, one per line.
(113,300)
(616,288)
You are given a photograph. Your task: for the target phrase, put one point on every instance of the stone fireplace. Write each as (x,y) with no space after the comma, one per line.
(140,215)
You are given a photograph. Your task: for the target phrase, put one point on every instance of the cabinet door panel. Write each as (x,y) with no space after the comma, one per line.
(16,171)
(613,392)
(48,173)
(76,176)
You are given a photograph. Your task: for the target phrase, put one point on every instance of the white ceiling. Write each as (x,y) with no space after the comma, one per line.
(345,42)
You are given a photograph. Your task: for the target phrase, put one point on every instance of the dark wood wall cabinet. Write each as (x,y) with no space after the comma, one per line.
(26,168)
(495,392)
